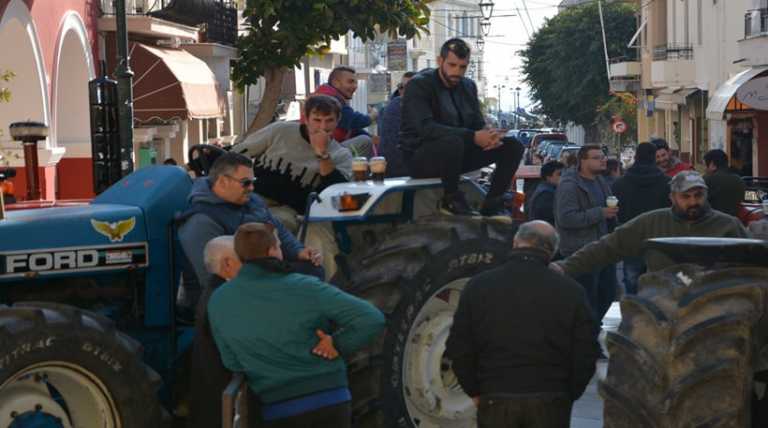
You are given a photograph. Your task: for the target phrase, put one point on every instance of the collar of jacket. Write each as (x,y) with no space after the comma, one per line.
(530,255)
(582,183)
(436,76)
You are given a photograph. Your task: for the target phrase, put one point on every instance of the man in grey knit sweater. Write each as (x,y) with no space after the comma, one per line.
(293,159)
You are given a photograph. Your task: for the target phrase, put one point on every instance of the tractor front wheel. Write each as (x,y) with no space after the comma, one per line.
(64,367)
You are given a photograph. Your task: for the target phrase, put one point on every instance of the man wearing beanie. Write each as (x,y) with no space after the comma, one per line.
(270,324)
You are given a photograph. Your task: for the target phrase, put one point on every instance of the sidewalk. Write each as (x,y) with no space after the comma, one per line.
(588,411)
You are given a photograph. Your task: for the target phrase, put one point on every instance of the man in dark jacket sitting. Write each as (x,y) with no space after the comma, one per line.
(524,350)
(643,188)
(442,133)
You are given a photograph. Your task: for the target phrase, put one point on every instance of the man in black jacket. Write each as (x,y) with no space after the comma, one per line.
(726,189)
(643,188)
(542,206)
(525,349)
(442,132)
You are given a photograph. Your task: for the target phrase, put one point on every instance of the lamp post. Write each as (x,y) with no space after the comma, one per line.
(480,43)
(485,26)
(498,99)
(517,107)
(124,90)
(29,133)
(486,8)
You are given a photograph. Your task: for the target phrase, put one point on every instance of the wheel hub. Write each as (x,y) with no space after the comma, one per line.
(36,419)
(432,392)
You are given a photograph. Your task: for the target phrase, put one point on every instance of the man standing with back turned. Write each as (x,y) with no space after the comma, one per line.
(524,350)
(442,133)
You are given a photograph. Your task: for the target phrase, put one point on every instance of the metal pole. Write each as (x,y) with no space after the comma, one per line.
(124,90)
(605,43)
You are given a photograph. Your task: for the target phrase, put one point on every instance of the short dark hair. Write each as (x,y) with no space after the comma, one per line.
(660,143)
(409,74)
(254,240)
(322,104)
(717,157)
(550,168)
(459,47)
(585,149)
(227,164)
(338,70)
(645,154)
(170,161)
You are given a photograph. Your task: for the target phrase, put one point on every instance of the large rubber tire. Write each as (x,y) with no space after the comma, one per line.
(400,274)
(45,348)
(686,350)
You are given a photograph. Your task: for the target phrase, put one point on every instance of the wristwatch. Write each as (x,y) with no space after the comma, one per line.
(324,156)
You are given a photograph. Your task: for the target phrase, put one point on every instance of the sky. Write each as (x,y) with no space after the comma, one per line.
(508,36)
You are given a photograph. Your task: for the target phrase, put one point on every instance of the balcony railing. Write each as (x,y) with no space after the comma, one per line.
(631,56)
(672,52)
(216,19)
(755,22)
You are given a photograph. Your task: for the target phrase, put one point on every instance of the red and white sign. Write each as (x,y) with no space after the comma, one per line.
(619,127)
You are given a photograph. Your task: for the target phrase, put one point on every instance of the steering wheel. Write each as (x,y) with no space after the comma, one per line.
(202,157)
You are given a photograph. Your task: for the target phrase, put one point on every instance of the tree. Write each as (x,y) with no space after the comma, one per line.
(564,62)
(281,32)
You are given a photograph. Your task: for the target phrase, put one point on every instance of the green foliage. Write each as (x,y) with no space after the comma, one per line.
(564,62)
(281,32)
(5,93)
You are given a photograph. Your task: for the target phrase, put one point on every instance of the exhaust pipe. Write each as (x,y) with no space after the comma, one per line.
(29,133)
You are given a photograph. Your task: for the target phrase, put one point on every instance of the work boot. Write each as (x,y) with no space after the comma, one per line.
(456,204)
(493,207)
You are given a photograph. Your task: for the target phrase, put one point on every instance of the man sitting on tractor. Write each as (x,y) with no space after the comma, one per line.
(220,203)
(443,133)
(294,159)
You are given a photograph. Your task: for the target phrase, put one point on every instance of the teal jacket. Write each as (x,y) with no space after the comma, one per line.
(264,325)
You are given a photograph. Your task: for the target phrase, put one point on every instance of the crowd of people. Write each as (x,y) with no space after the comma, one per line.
(267,311)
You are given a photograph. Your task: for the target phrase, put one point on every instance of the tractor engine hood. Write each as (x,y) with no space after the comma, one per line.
(87,238)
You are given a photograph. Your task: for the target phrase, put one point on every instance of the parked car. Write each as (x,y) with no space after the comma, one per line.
(553,150)
(524,135)
(566,152)
(537,144)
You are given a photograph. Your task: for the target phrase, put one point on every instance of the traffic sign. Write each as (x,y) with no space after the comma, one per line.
(619,127)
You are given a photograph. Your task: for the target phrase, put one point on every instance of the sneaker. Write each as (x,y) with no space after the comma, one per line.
(493,207)
(456,204)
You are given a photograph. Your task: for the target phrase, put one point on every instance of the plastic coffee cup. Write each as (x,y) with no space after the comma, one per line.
(612,202)
(765,206)
(378,169)
(359,169)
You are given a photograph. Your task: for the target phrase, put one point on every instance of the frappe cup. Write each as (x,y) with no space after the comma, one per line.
(378,169)
(359,169)
(612,202)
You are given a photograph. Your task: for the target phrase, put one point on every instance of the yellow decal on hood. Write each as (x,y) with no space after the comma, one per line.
(114,231)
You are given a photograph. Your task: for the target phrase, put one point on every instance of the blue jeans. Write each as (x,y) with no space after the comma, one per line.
(633,268)
(600,287)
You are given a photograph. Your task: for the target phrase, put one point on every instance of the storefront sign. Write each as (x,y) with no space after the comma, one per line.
(754,93)
(397,55)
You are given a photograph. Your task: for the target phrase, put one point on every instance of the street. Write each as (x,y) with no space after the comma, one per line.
(588,411)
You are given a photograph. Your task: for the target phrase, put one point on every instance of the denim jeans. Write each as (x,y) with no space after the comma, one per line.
(337,416)
(633,268)
(546,410)
(600,287)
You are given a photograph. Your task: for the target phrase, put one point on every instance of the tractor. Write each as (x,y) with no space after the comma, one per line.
(88,325)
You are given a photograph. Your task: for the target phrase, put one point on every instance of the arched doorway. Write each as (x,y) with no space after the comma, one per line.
(20,53)
(73,68)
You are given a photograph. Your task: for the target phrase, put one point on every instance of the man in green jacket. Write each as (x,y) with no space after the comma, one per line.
(726,189)
(690,215)
(266,323)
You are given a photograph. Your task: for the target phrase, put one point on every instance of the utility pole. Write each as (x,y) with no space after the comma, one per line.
(124,90)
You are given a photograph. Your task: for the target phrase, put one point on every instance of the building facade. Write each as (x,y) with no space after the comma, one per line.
(182,93)
(693,56)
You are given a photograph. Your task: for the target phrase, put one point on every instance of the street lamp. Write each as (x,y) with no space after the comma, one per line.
(517,107)
(480,43)
(486,27)
(486,8)
(498,99)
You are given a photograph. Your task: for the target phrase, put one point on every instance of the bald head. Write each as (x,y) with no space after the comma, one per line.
(537,234)
(220,257)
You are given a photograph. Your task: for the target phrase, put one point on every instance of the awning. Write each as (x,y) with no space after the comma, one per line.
(722,97)
(172,84)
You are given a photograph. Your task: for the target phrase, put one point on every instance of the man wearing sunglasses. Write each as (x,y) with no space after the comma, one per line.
(220,203)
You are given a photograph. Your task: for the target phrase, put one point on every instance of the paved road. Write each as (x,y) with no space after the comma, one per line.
(588,411)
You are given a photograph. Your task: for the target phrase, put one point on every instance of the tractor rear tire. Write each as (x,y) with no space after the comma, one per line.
(687,349)
(415,276)
(60,363)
